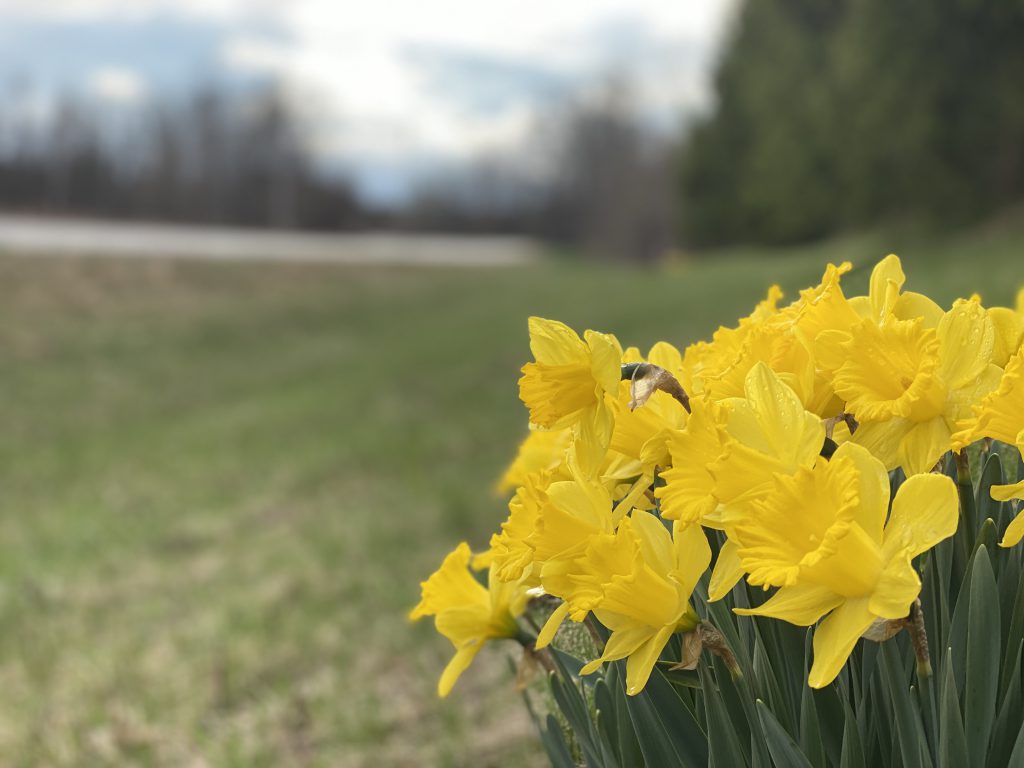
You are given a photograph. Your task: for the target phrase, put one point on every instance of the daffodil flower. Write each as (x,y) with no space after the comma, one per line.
(466,612)
(646,604)
(1000,415)
(730,454)
(823,539)
(570,375)
(908,385)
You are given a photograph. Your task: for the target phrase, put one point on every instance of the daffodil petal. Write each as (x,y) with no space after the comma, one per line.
(872,488)
(911,306)
(555,343)
(728,570)
(1009,327)
(1014,531)
(459,663)
(605,360)
(621,644)
(967,341)
(1008,492)
(897,588)
(923,445)
(692,555)
(547,632)
(924,512)
(887,279)
(666,356)
(883,439)
(800,604)
(642,661)
(835,638)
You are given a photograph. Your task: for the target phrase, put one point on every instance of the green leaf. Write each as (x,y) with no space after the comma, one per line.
(986,535)
(1017,756)
(625,738)
(952,740)
(723,740)
(554,744)
(687,678)
(572,705)
(1015,633)
(982,674)
(1004,731)
(929,711)
(764,672)
(958,628)
(665,728)
(965,490)
(784,751)
(732,695)
(604,705)
(810,728)
(991,474)
(907,717)
(852,755)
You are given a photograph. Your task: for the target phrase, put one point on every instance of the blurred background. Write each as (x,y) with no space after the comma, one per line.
(265,270)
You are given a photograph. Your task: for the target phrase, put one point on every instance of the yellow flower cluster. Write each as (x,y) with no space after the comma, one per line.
(775,439)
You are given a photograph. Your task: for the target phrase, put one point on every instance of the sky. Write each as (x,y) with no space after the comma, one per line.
(391,88)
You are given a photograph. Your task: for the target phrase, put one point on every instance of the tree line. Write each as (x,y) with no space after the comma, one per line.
(836,114)
(212,157)
(590,177)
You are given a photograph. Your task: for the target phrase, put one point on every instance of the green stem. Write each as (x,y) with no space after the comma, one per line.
(966,492)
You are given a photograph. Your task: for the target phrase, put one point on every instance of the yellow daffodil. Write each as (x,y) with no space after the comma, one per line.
(645,605)
(1000,415)
(730,451)
(823,539)
(570,375)
(908,385)
(729,455)
(466,612)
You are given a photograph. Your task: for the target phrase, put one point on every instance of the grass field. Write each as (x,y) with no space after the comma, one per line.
(221,484)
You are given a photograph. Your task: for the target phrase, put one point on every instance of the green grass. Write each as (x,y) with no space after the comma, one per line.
(221,484)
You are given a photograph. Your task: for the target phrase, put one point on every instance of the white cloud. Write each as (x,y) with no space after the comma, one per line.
(117,84)
(248,53)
